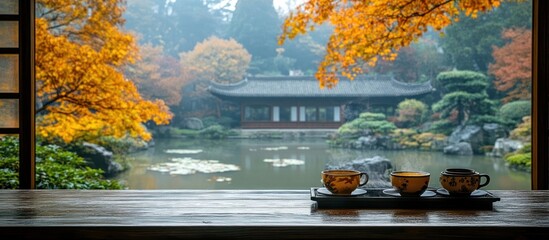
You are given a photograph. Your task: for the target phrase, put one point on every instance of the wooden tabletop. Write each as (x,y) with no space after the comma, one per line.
(254,214)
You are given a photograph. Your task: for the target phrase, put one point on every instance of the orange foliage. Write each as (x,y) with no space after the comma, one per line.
(81,91)
(158,75)
(365,30)
(513,65)
(218,60)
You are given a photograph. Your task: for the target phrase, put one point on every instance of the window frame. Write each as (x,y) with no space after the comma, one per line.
(26,95)
(254,107)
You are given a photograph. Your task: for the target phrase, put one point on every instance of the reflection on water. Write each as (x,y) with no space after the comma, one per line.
(290,164)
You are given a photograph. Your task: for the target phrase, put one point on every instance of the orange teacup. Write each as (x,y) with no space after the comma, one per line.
(343,182)
(410,183)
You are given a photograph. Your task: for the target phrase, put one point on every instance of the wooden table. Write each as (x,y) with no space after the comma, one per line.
(254,214)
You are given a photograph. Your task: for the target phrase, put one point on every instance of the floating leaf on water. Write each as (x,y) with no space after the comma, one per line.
(274,148)
(284,162)
(187,165)
(184,151)
(220,179)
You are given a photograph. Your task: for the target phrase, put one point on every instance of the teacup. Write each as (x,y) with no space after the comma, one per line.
(410,183)
(343,182)
(462,181)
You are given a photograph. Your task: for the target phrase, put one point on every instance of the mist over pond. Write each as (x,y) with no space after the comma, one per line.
(286,164)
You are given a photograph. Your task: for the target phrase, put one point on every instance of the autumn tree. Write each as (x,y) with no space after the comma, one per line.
(411,113)
(512,68)
(217,60)
(157,75)
(213,60)
(81,90)
(367,30)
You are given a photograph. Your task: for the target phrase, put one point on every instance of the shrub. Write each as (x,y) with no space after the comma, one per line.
(214,132)
(369,116)
(413,139)
(411,113)
(521,159)
(55,169)
(190,133)
(226,122)
(523,131)
(515,111)
(366,123)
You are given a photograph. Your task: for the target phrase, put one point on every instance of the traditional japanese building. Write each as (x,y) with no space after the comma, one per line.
(297,102)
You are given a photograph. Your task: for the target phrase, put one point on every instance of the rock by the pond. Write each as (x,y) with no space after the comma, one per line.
(477,137)
(504,146)
(194,123)
(378,169)
(461,148)
(99,157)
(493,132)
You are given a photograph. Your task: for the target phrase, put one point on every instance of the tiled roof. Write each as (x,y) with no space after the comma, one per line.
(307,86)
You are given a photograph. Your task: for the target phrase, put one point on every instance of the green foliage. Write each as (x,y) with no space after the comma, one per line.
(214,132)
(224,121)
(468,43)
(482,119)
(515,111)
(442,126)
(367,122)
(468,81)
(521,159)
(369,116)
(411,113)
(55,169)
(190,133)
(466,96)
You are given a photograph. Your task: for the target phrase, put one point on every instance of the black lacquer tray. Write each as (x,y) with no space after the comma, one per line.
(376,198)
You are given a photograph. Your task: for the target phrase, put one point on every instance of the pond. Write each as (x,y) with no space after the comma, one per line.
(283,164)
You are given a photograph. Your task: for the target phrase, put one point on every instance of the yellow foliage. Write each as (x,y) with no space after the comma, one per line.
(365,30)
(217,60)
(81,91)
(157,75)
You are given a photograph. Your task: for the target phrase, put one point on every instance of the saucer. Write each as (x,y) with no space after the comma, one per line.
(394,193)
(356,192)
(476,193)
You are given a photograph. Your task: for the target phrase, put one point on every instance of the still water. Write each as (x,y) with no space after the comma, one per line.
(258,164)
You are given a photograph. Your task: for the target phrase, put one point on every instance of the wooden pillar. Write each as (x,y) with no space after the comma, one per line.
(540,111)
